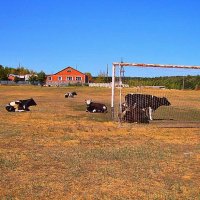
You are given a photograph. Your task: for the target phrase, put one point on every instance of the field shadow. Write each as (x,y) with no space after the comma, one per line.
(162,119)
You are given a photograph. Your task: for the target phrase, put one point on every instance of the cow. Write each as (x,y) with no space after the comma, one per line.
(70,94)
(133,114)
(148,103)
(20,105)
(95,107)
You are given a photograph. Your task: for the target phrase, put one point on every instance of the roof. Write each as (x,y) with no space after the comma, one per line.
(67,68)
(16,75)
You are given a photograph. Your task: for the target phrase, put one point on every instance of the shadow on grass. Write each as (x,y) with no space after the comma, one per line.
(99,117)
(162,119)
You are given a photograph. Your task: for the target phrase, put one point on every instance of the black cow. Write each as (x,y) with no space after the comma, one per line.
(133,114)
(70,94)
(95,107)
(149,103)
(20,105)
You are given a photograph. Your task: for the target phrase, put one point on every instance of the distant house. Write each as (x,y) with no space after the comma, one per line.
(67,76)
(11,77)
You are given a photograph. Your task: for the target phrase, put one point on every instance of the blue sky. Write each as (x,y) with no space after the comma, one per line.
(91,34)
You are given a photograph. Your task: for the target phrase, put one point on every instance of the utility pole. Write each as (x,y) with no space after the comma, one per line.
(107,74)
(19,69)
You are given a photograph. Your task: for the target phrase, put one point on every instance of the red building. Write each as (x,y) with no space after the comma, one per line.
(11,77)
(67,76)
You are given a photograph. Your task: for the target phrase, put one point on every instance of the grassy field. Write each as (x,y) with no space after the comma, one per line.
(58,151)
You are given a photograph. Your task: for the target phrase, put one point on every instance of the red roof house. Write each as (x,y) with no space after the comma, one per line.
(67,76)
(11,77)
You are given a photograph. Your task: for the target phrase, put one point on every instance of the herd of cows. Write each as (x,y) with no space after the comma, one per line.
(136,108)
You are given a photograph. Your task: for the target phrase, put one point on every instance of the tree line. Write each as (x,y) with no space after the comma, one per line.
(169,82)
(35,77)
(5,71)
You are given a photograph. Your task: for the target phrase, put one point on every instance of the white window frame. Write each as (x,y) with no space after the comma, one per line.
(69,78)
(78,78)
(50,78)
(60,78)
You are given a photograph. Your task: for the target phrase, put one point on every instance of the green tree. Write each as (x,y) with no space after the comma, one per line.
(41,77)
(32,79)
(3,75)
(101,78)
(21,71)
(90,78)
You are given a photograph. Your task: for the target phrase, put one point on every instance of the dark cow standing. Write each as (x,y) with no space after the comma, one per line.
(95,107)
(70,94)
(133,114)
(148,103)
(20,105)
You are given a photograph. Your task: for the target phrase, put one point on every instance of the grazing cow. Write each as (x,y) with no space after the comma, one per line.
(70,94)
(149,103)
(95,107)
(20,105)
(133,114)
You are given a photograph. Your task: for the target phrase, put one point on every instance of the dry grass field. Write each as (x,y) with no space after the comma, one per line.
(58,151)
